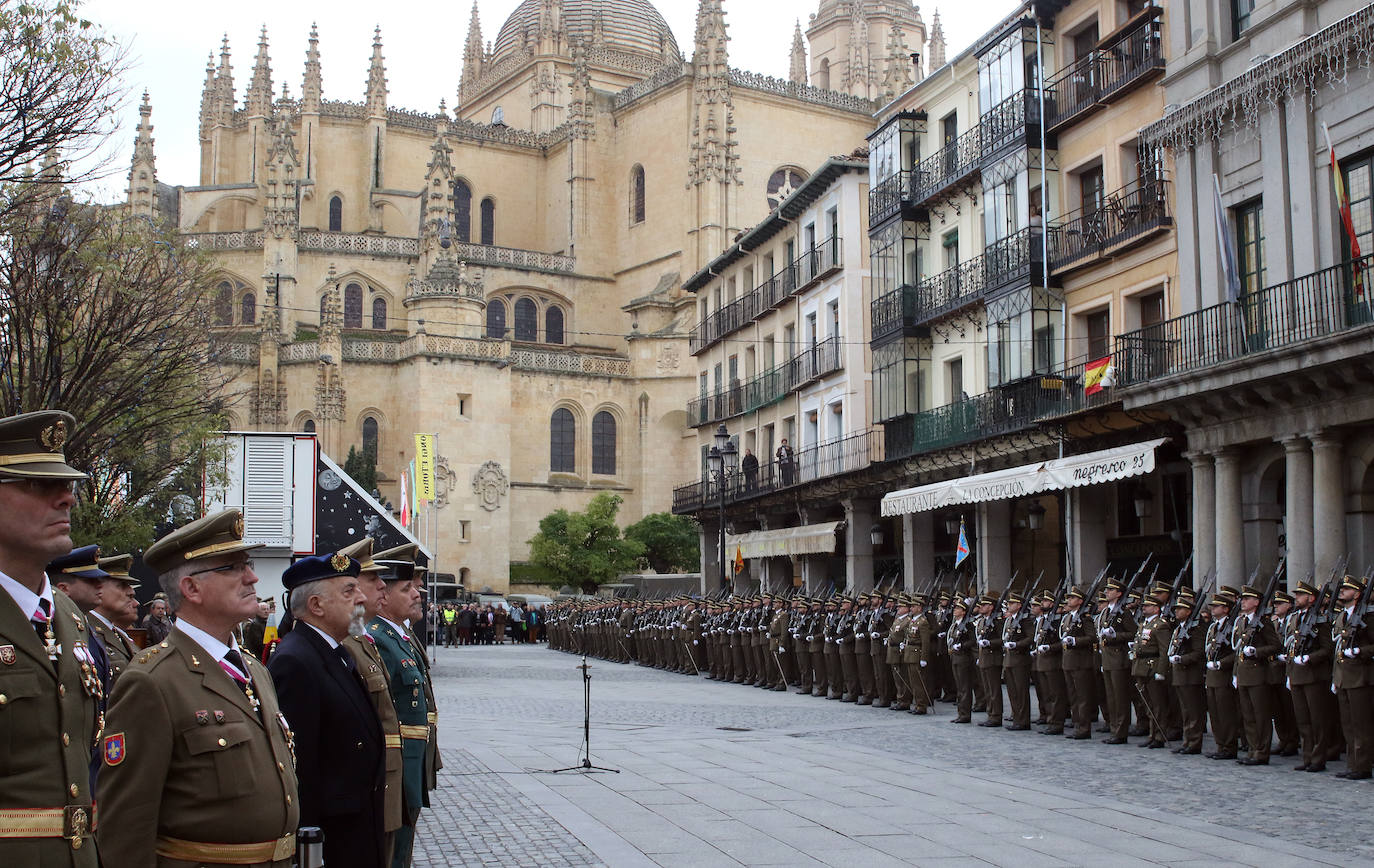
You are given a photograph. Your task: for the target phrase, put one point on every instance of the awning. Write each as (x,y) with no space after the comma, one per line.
(808,539)
(1106,465)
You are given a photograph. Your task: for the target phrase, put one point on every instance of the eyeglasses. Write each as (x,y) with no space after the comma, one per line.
(46,487)
(227,569)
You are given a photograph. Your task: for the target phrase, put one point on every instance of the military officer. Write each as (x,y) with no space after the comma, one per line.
(1048,665)
(879,625)
(199,763)
(1281,698)
(433,761)
(844,646)
(49,693)
(1149,655)
(1309,678)
(917,653)
(78,575)
(1187,655)
(398,603)
(988,631)
(1077,636)
(863,659)
(1116,630)
(1018,637)
(1256,644)
(962,648)
(368,661)
(1353,678)
(777,649)
(116,613)
(1221,693)
(896,640)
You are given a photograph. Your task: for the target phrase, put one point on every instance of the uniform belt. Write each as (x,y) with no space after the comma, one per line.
(415,732)
(392,740)
(432,717)
(73,821)
(228,854)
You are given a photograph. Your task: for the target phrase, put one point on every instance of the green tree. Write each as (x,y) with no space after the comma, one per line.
(584,549)
(670,542)
(361,467)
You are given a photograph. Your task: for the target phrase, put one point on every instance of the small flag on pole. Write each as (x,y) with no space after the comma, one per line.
(739,560)
(1230,273)
(961,553)
(424,467)
(1343,205)
(405,502)
(1098,375)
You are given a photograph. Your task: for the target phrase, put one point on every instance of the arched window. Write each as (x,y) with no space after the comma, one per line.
(248,309)
(370,435)
(309,426)
(353,306)
(496,319)
(603,444)
(553,325)
(462,212)
(335,214)
(562,442)
(488,221)
(526,320)
(224,304)
(637,194)
(823,79)
(379,313)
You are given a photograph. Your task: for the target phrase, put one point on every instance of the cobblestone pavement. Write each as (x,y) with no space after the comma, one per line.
(722,774)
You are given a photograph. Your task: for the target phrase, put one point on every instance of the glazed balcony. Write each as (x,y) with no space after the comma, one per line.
(952,165)
(1123,61)
(1012,124)
(1306,309)
(887,197)
(1135,213)
(1017,260)
(904,310)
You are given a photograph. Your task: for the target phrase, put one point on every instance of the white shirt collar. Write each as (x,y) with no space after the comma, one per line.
(106,621)
(26,599)
(328,638)
(212,646)
(399,628)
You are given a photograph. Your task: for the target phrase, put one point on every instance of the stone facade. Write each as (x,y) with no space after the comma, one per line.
(486,274)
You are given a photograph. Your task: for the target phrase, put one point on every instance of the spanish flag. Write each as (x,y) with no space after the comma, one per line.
(739,560)
(1098,375)
(1343,206)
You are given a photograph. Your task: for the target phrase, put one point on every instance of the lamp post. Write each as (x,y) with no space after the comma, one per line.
(720,461)
(1035,520)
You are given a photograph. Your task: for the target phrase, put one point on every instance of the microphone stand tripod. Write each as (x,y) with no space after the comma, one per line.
(586,766)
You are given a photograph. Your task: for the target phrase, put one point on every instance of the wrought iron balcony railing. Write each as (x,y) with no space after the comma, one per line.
(885,197)
(773,385)
(1313,306)
(939,295)
(1006,125)
(954,163)
(1132,213)
(1015,259)
(1117,66)
(822,461)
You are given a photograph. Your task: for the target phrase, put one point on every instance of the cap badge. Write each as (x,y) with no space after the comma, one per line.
(54,435)
(339,562)
(238,526)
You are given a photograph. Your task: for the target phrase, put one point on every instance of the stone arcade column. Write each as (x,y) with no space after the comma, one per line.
(994,544)
(1297,521)
(918,549)
(1089,537)
(1204,516)
(1328,501)
(1230,526)
(859,516)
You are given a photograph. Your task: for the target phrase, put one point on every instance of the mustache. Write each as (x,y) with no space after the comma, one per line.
(357,625)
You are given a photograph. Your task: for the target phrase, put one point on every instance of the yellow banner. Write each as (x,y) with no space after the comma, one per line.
(424,467)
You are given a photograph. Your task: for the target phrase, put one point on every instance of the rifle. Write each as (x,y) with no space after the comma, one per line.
(1185,629)
(1356,620)
(1140,571)
(1178,580)
(1025,606)
(1266,606)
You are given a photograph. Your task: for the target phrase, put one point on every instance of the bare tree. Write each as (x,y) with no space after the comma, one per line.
(106,316)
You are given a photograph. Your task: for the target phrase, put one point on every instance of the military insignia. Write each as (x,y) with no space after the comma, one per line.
(203,717)
(114,749)
(219,716)
(80,622)
(54,435)
(194,661)
(7,655)
(238,527)
(339,561)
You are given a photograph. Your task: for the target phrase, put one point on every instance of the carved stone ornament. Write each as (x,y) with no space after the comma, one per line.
(489,483)
(445,480)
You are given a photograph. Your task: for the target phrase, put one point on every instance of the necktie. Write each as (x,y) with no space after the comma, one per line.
(42,621)
(345,657)
(237,669)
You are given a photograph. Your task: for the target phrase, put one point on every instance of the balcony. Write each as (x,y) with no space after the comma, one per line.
(1134,213)
(797,276)
(886,198)
(1015,260)
(769,387)
(1012,124)
(909,307)
(1123,62)
(1001,410)
(948,167)
(1326,302)
(823,461)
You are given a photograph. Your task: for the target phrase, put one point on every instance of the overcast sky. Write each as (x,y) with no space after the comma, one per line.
(169,43)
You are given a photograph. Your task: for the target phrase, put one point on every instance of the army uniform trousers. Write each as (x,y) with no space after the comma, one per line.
(1257,716)
(882,675)
(965,677)
(1317,715)
(1016,673)
(863,662)
(1224,713)
(1054,693)
(1118,685)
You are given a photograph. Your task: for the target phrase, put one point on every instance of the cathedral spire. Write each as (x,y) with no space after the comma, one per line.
(439,176)
(856,71)
(224,85)
(473,57)
(937,43)
(259,101)
(208,98)
(899,64)
(312,90)
(376,79)
(797,75)
(142,191)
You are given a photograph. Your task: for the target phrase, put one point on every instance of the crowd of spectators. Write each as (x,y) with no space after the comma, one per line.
(486,624)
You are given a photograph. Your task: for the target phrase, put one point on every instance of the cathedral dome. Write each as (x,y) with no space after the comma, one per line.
(627,25)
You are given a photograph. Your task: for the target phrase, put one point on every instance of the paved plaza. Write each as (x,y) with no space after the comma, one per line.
(723,774)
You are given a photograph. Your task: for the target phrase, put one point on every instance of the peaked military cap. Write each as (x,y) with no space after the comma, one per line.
(1219,600)
(79,563)
(398,564)
(118,568)
(960,604)
(1113,584)
(1305,588)
(920,600)
(1353,583)
(220,533)
(318,567)
(31,446)
(1078,592)
(1014,597)
(1229,592)
(1185,601)
(1282,597)
(362,552)
(1249,591)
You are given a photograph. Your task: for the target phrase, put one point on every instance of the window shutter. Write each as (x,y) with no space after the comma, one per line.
(267,491)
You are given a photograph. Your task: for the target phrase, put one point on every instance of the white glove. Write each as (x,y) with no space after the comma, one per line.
(1283,658)
(923,664)
(1233,682)
(957,646)
(1213,665)
(781,649)
(694,641)
(810,639)
(873,635)
(1159,676)
(1301,659)
(1109,633)
(1007,646)
(983,643)
(901,647)
(827,640)
(939,635)
(1248,650)
(1043,649)
(1351,653)
(1070,641)
(1177,658)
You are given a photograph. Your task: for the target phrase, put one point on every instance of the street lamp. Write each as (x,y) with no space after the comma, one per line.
(721,462)
(1035,516)
(951,524)
(1143,501)
(875,536)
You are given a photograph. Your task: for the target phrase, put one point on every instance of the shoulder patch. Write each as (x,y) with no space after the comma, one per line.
(114,749)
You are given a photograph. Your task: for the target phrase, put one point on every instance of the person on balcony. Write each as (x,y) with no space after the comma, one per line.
(750,465)
(786,462)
